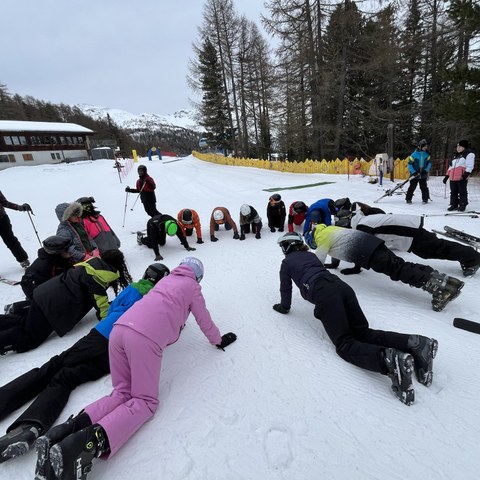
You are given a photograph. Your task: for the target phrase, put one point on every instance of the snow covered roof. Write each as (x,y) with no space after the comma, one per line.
(24,126)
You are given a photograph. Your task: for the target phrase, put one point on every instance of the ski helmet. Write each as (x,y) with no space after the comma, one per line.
(422,143)
(187,217)
(300,207)
(218,215)
(289,240)
(55,245)
(196,265)
(343,204)
(245,210)
(343,218)
(316,216)
(171,227)
(276,197)
(142,168)
(155,272)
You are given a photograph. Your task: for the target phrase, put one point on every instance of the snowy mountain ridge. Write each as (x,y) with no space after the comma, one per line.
(143,121)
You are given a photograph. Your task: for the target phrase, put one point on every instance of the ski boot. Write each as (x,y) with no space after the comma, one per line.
(43,468)
(443,288)
(18,441)
(71,459)
(400,367)
(423,350)
(139,238)
(470,271)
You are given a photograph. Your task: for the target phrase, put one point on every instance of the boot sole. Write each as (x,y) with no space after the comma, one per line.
(426,377)
(406,394)
(56,460)
(42,447)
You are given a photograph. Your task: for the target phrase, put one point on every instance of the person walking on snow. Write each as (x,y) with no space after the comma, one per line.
(276,213)
(52,383)
(6,231)
(460,168)
(221,216)
(419,165)
(145,186)
(336,306)
(136,347)
(368,251)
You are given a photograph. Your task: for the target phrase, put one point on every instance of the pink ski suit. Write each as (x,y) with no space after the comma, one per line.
(136,348)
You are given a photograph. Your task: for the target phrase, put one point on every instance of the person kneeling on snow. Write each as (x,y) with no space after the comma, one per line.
(136,347)
(249,216)
(158,227)
(336,306)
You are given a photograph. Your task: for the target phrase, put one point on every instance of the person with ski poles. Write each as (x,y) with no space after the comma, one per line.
(6,231)
(393,354)
(419,165)
(52,383)
(145,187)
(136,347)
(370,252)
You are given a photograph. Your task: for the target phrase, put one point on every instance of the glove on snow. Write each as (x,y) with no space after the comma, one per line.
(278,307)
(235,236)
(158,258)
(351,271)
(190,249)
(227,339)
(200,241)
(213,238)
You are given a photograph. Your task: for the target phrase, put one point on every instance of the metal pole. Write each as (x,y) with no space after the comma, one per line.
(33,225)
(138,196)
(390,150)
(125,211)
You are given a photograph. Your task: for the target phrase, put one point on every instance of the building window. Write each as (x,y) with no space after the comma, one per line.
(8,140)
(27,157)
(7,158)
(58,156)
(53,156)
(23,140)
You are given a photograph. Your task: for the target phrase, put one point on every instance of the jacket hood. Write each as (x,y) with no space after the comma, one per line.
(74,209)
(60,209)
(184,271)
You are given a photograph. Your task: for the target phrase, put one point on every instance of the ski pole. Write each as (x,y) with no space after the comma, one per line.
(33,225)
(125,210)
(138,196)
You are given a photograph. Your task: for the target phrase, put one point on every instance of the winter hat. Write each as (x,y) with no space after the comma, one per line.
(463,143)
(187,217)
(422,143)
(196,265)
(218,215)
(75,209)
(300,207)
(87,204)
(142,168)
(276,197)
(55,245)
(60,209)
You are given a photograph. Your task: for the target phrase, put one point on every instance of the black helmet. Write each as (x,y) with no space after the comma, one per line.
(276,197)
(187,217)
(142,168)
(300,207)
(343,218)
(289,240)
(155,272)
(422,143)
(55,245)
(343,204)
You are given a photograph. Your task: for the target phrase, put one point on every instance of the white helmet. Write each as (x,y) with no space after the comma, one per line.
(218,215)
(245,210)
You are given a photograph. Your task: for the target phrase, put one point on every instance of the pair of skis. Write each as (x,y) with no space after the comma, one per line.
(460,236)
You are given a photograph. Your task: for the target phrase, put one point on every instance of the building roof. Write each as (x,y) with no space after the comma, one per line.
(51,127)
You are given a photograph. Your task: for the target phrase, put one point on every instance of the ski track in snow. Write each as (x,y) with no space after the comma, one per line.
(279,403)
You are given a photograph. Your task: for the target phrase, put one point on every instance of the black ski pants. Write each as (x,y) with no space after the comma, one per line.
(458,193)
(385,261)
(26,332)
(52,383)
(149,201)
(427,245)
(423,187)
(337,307)
(10,240)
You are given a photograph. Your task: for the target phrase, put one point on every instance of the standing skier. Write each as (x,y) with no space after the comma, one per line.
(418,166)
(146,188)
(336,306)
(136,347)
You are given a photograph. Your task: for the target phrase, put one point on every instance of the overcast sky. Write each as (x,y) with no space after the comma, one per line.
(131,55)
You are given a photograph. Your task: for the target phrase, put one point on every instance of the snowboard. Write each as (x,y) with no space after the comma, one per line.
(468,325)
(9,282)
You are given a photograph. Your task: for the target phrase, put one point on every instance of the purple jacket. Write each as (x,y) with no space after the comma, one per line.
(161,314)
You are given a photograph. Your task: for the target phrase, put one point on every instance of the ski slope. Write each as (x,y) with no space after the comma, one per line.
(279,403)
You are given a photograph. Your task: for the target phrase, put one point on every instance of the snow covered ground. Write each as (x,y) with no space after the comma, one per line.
(279,403)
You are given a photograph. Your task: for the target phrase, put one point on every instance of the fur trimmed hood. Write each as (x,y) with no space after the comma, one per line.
(64,210)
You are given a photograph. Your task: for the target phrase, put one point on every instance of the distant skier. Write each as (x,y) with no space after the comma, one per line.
(276,213)
(336,306)
(146,188)
(137,343)
(419,165)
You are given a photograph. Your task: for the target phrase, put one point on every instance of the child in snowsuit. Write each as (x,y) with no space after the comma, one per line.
(336,306)
(188,220)
(6,232)
(136,347)
(368,251)
(97,227)
(296,214)
(249,216)
(418,166)
(52,383)
(221,216)
(319,212)
(276,213)
(61,302)
(158,227)
(146,188)
(82,245)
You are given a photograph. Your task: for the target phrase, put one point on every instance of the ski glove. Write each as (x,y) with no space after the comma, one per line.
(190,249)
(465,175)
(158,258)
(213,238)
(25,208)
(200,241)
(235,236)
(227,339)
(351,271)
(242,237)
(278,307)
(129,190)
(445,179)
